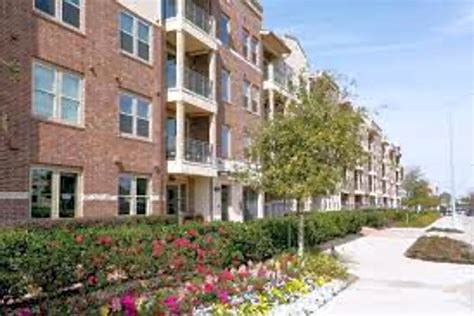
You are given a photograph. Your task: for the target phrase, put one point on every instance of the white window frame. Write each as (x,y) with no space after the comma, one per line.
(228,87)
(255,98)
(246,43)
(55,190)
(133,194)
(57,94)
(254,49)
(229,142)
(247,93)
(136,38)
(58,14)
(135,116)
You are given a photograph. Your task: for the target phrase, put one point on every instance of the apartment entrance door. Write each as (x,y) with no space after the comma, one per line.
(225,202)
(176,199)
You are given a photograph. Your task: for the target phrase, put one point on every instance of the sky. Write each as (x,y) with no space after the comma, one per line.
(410,62)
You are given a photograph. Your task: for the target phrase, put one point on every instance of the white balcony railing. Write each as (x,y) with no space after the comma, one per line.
(195,14)
(193,81)
(196,151)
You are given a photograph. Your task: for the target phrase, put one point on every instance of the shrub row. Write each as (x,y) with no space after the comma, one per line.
(39,261)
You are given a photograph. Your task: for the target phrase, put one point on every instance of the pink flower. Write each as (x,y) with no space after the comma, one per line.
(225,275)
(181,242)
(23,312)
(157,248)
(223,297)
(208,288)
(190,287)
(243,273)
(115,305)
(92,280)
(128,304)
(200,253)
(171,302)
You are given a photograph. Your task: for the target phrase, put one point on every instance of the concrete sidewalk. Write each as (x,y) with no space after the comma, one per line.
(391,284)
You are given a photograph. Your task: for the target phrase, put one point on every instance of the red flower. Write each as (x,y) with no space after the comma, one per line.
(92,280)
(104,240)
(225,275)
(208,239)
(176,263)
(192,233)
(79,239)
(208,288)
(200,253)
(181,242)
(201,269)
(157,248)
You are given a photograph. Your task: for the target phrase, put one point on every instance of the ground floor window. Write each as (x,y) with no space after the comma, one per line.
(54,193)
(250,204)
(133,195)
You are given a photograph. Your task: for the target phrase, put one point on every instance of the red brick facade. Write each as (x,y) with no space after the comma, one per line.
(96,150)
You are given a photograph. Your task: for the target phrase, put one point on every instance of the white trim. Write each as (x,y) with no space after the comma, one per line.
(57,17)
(55,188)
(57,94)
(255,67)
(136,20)
(14,195)
(100,197)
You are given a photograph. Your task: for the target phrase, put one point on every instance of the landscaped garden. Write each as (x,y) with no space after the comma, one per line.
(151,266)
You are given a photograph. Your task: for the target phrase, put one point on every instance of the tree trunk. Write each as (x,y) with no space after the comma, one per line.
(300,228)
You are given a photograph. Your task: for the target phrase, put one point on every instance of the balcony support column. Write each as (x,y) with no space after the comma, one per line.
(213,137)
(261,205)
(180,7)
(271,101)
(180,58)
(180,119)
(213,74)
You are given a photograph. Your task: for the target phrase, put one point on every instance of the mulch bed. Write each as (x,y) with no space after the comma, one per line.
(441,249)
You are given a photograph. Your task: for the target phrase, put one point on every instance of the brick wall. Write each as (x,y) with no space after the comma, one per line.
(97,149)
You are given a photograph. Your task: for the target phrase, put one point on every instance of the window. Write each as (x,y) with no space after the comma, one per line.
(225,141)
(53,193)
(245,43)
(246,94)
(133,195)
(56,94)
(66,11)
(134,116)
(254,51)
(225,85)
(255,100)
(224,30)
(135,36)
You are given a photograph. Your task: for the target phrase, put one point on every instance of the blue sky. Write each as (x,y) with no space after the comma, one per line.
(412,61)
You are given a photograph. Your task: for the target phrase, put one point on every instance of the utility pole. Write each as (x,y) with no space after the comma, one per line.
(452,171)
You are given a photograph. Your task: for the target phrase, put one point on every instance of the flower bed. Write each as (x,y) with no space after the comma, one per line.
(252,289)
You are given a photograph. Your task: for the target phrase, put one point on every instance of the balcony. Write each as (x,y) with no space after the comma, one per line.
(193,81)
(279,76)
(198,16)
(196,21)
(196,151)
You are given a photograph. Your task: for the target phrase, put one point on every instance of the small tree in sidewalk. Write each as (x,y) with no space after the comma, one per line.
(305,152)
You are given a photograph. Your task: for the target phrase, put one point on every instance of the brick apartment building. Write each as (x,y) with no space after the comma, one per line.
(126,107)
(130,107)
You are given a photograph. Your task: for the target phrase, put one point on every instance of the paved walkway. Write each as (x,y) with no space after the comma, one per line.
(391,284)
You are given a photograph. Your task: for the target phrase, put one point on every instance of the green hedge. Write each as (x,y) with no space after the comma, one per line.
(48,259)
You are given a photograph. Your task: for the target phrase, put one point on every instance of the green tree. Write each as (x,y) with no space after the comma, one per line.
(418,190)
(306,151)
